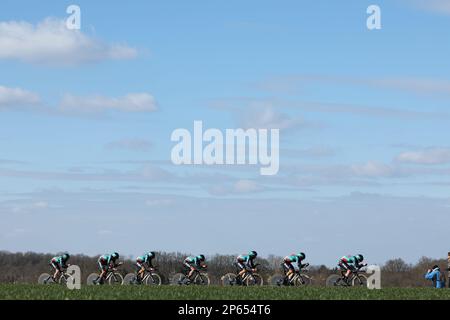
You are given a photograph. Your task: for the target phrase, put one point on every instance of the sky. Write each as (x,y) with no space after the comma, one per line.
(86,118)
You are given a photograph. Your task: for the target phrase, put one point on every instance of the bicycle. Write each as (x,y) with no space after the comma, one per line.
(357,279)
(299,279)
(150,278)
(47,278)
(199,277)
(250,278)
(112,277)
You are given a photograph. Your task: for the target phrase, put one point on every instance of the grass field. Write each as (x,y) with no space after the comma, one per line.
(35,292)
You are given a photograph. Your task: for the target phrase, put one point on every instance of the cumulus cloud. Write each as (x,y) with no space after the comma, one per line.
(373,169)
(415,85)
(426,156)
(17,98)
(51,42)
(131,144)
(436,6)
(159,202)
(264,115)
(133,102)
(239,187)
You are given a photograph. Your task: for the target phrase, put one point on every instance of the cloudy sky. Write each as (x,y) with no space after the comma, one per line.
(86,118)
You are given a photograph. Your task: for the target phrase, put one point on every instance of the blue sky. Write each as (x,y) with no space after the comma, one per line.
(86,118)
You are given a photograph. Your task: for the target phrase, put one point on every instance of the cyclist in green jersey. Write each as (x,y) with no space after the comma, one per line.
(288,266)
(350,263)
(105,263)
(194,263)
(144,263)
(59,263)
(246,263)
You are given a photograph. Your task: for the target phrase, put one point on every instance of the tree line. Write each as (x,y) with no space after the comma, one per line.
(26,268)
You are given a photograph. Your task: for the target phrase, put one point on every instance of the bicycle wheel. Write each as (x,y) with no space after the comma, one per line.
(229,279)
(45,278)
(254,280)
(277,280)
(64,279)
(202,279)
(129,278)
(333,280)
(303,280)
(91,279)
(359,281)
(178,279)
(153,279)
(116,279)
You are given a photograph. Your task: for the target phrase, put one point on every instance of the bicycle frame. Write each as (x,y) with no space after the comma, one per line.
(62,274)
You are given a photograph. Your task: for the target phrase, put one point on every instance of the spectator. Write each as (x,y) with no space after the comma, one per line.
(436,276)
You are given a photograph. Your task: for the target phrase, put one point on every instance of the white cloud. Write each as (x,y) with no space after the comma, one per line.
(50,42)
(131,144)
(104,232)
(133,102)
(30,207)
(415,85)
(243,186)
(17,98)
(158,202)
(260,115)
(437,6)
(373,169)
(426,156)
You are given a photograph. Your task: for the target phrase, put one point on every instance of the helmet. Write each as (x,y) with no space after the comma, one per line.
(66,256)
(253,254)
(151,254)
(301,256)
(201,257)
(115,255)
(359,257)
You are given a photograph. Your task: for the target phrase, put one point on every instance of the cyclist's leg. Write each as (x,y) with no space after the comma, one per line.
(103,270)
(191,269)
(291,271)
(140,269)
(242,269)
(57,269)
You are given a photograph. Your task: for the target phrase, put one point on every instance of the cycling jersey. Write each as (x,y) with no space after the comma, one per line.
(59,262)
(193,260)
(106,258)
(145,259)
(105,261)
(350,262)
(245,261)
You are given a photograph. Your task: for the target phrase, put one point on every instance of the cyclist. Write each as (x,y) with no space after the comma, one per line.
(59,263)
(194,263)
(106,262)
(144,263)
(288,266)
(349,264)
(246,263)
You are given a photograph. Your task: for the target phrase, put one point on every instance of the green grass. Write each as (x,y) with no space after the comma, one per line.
(35,292)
